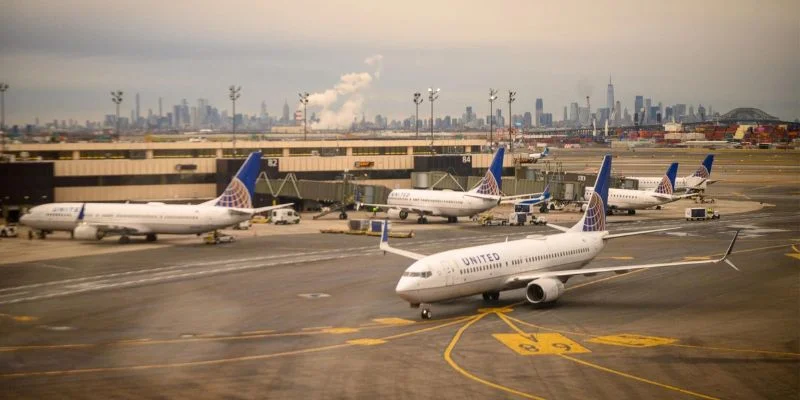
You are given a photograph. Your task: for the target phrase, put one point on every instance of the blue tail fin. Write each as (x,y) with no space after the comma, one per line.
(546,192)
(667,185)
(492,183)
(546,151)
(594,219)
(239,193)
(704,171)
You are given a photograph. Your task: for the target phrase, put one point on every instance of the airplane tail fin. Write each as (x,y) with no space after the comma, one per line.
(240,191)
(667,185)
(546,151)
(704,170)
(546,192)
(594,219)
(492,183)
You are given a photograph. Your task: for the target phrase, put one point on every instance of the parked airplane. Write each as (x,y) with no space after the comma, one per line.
(541,264)
(544,197)
(632,200)
(698,180)
(447,203)
(97,220)
(538,156)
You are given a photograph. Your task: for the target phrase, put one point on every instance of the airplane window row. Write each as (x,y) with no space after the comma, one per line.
(559,254)
(59,215)
(426,274)
(472,270)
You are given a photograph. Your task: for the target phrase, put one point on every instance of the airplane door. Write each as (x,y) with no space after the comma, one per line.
(449,272)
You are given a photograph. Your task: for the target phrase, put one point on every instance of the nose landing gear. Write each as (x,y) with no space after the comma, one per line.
(426,313)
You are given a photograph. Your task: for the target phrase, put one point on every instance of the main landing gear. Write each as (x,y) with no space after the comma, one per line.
(422,220)
(451,220)
(426,313)
(124,239)
(491,296)
(151,237)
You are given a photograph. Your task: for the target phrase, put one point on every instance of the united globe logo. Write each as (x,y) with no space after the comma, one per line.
(236,195)
(702,172)
(665,187)
(595,219)
(489,185)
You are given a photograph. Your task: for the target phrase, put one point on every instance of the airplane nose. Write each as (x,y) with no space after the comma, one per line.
(405,290)
(23,218)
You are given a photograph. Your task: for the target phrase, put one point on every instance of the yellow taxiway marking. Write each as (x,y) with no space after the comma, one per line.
(339,331)
(224,360)
(366,342)
(588,364)
(317,328)
(631,340)
(258,332)
(615,372)
(448,357)
(394,321)
(532,344)
(793,255)
(19,318)
(499,310)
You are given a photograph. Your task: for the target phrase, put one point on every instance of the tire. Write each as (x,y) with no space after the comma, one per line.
(3,233)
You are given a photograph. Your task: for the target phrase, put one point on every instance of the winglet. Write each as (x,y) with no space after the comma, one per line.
(730,250)
(82,212)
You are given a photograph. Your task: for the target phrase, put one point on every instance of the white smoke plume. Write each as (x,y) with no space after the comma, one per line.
(350,88)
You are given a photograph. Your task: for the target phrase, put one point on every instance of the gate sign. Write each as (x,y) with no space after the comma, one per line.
(272,162)
(466,159)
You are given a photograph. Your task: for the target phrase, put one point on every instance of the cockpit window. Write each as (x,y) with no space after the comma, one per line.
(426,274)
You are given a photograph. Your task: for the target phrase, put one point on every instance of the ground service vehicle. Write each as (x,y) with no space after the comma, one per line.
(700,214)
(284,217)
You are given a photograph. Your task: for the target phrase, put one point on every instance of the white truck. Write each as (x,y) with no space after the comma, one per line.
(284,216)
(700,214)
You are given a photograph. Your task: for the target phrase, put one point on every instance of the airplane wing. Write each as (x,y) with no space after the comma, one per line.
(415,209)
(524,278)
(384,245)
(253,211)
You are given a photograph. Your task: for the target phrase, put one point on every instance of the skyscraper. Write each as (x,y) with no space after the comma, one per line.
(539,111)
(138,115)
(610,95)
(573,112)
(638,106)
(617,112)
(285,117)
(160,115)
(565,114)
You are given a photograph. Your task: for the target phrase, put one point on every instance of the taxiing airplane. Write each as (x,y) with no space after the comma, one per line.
(540,264)
(97,220)
(632,200)
(448,203)
(535,157)
(698,180)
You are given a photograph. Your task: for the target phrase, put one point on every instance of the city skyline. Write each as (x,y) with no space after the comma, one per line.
(66,71)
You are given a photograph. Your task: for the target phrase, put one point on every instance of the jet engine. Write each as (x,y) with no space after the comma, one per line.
(402,214)
(88,232)
(544,290)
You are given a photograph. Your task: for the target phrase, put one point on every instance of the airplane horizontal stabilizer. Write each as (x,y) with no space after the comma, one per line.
(619,235)
(253,211)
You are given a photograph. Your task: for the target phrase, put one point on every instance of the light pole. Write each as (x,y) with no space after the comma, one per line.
(116,97)
(3,88)
(304,101)
(492,98)
(417,100)
(432,96)
(235,92)
(511,99)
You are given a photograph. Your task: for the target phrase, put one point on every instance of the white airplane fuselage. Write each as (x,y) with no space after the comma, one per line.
(626,199)
(152,217)
(446,203)
(652,182)
(492,267)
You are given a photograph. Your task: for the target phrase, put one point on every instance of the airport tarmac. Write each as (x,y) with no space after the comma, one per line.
(307,315)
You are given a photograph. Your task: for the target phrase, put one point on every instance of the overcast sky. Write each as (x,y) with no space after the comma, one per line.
(62,58)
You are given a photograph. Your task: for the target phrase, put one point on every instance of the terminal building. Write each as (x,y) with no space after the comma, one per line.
(192,171)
